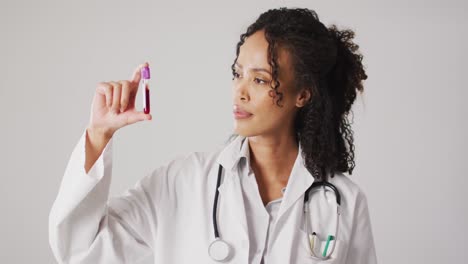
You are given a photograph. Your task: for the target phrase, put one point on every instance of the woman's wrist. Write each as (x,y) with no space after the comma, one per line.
(99,135)
(96,141)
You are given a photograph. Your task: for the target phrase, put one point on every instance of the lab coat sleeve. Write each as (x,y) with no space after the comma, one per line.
(361,248)
(85,226)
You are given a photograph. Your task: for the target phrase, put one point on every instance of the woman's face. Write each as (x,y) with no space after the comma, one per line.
(255,110)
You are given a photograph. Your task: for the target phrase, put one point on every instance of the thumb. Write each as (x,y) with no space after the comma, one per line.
(137,117)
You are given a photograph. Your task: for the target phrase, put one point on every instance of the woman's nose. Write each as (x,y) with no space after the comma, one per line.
(241,90)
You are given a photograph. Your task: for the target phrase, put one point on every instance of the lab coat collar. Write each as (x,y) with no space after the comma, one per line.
(238,148)
(299,180)
(233,152)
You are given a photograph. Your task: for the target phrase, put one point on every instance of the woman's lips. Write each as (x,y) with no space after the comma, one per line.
(240,113)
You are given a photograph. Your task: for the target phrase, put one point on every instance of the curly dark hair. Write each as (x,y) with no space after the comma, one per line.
(327,62)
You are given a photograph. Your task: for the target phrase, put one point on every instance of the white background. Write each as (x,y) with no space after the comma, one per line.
(410,124)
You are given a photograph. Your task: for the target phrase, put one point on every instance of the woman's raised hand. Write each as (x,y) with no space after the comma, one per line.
(113,105)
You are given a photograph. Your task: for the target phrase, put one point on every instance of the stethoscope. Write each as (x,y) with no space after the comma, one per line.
(220,250)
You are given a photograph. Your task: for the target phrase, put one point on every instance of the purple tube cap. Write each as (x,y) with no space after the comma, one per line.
(145,73)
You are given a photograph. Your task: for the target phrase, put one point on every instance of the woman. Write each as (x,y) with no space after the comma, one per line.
(294,82)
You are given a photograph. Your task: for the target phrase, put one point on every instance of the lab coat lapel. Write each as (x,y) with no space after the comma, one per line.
(284,237)
(232,219)
(231,191)
(231,208)
(299,181)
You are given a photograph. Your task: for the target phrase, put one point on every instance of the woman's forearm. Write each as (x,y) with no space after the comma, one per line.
(96,141)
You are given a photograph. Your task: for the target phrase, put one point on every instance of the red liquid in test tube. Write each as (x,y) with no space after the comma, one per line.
(145,76)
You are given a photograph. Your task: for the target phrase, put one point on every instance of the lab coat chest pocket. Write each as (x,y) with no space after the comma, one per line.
(232,221)
(304,252)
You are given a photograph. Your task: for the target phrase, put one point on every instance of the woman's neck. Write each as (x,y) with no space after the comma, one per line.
(272,161)
(272,157)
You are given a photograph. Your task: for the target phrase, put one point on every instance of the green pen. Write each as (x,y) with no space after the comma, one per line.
(330,238)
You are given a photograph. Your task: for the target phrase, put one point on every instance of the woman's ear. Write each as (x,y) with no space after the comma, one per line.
(303,97)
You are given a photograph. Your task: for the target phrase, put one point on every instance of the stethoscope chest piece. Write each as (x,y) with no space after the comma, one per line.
(219,250)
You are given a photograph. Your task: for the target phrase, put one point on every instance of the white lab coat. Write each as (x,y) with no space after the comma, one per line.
(169,212)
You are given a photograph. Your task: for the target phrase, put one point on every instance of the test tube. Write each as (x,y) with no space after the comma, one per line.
(144,87)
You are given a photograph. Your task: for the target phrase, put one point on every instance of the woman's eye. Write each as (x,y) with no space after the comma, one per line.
(235,75)
(260,81)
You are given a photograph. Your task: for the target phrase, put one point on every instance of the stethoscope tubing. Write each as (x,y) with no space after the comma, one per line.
(215,206)
(317,184)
